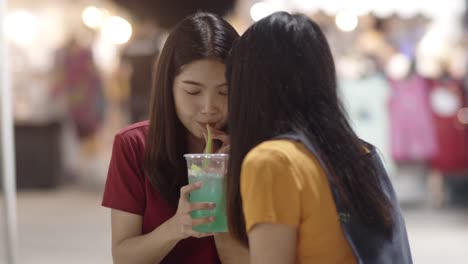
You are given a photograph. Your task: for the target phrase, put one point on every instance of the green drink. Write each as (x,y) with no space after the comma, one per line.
(209,169)
(212,191)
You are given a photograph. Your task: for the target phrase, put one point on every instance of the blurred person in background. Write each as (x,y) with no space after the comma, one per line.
(301,186)
(147,185)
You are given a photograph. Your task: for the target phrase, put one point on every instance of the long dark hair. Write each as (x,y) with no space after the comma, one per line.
(282,79)
(199,36)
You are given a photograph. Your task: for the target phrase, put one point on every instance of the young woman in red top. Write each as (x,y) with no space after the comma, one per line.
(147,184)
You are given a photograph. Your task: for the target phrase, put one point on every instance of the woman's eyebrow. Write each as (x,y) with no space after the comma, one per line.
(200,84)
(192,83)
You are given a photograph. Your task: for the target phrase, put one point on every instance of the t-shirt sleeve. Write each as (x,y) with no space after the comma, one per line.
(269,188)
(125,188)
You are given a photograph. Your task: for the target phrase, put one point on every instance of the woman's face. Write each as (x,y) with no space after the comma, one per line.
(200,95)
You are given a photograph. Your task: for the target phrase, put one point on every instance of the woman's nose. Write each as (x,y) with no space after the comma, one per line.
(209,106)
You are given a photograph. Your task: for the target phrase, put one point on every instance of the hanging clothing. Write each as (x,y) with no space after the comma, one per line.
(411,126)
(365,100)
(447,98)
(82,85)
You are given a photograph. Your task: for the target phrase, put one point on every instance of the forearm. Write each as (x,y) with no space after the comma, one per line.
(231,251)
(146,249)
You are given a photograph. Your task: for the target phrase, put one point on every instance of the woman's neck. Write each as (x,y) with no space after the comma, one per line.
(195,145)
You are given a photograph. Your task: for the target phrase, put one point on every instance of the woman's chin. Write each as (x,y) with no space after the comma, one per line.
(198,134)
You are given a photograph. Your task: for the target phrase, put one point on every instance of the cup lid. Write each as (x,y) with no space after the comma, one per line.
(206,156)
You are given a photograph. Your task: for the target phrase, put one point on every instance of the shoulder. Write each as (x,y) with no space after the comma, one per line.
(136,129)
(282,156)
(133,136)
(274,155)
(275,151)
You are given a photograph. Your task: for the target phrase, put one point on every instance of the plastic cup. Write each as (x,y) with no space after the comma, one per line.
(210,169)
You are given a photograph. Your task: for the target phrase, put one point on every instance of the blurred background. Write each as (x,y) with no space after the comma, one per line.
(81,70)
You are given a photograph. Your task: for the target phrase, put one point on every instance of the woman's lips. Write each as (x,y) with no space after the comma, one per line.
(211,124)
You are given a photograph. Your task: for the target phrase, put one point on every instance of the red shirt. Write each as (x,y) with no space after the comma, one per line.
(452,135)
(127,189)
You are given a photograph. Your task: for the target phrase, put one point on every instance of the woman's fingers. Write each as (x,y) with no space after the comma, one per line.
(196,234)
(215,134)
(224,149)
(183,219)
(218,136)
(224,138)
(184,191)
(202,206)
(203,220)
(191,222)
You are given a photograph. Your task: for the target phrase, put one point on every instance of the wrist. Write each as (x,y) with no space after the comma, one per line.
(171,231)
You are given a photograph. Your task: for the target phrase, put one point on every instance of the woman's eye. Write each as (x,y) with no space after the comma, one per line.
(192,92)
(223,92)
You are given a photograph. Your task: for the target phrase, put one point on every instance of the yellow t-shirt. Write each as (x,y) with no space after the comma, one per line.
(283,183)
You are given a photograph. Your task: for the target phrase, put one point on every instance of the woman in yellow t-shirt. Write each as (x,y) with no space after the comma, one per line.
(305,200)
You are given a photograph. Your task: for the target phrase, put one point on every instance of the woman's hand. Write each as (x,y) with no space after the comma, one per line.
(220,136)
(181,223)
